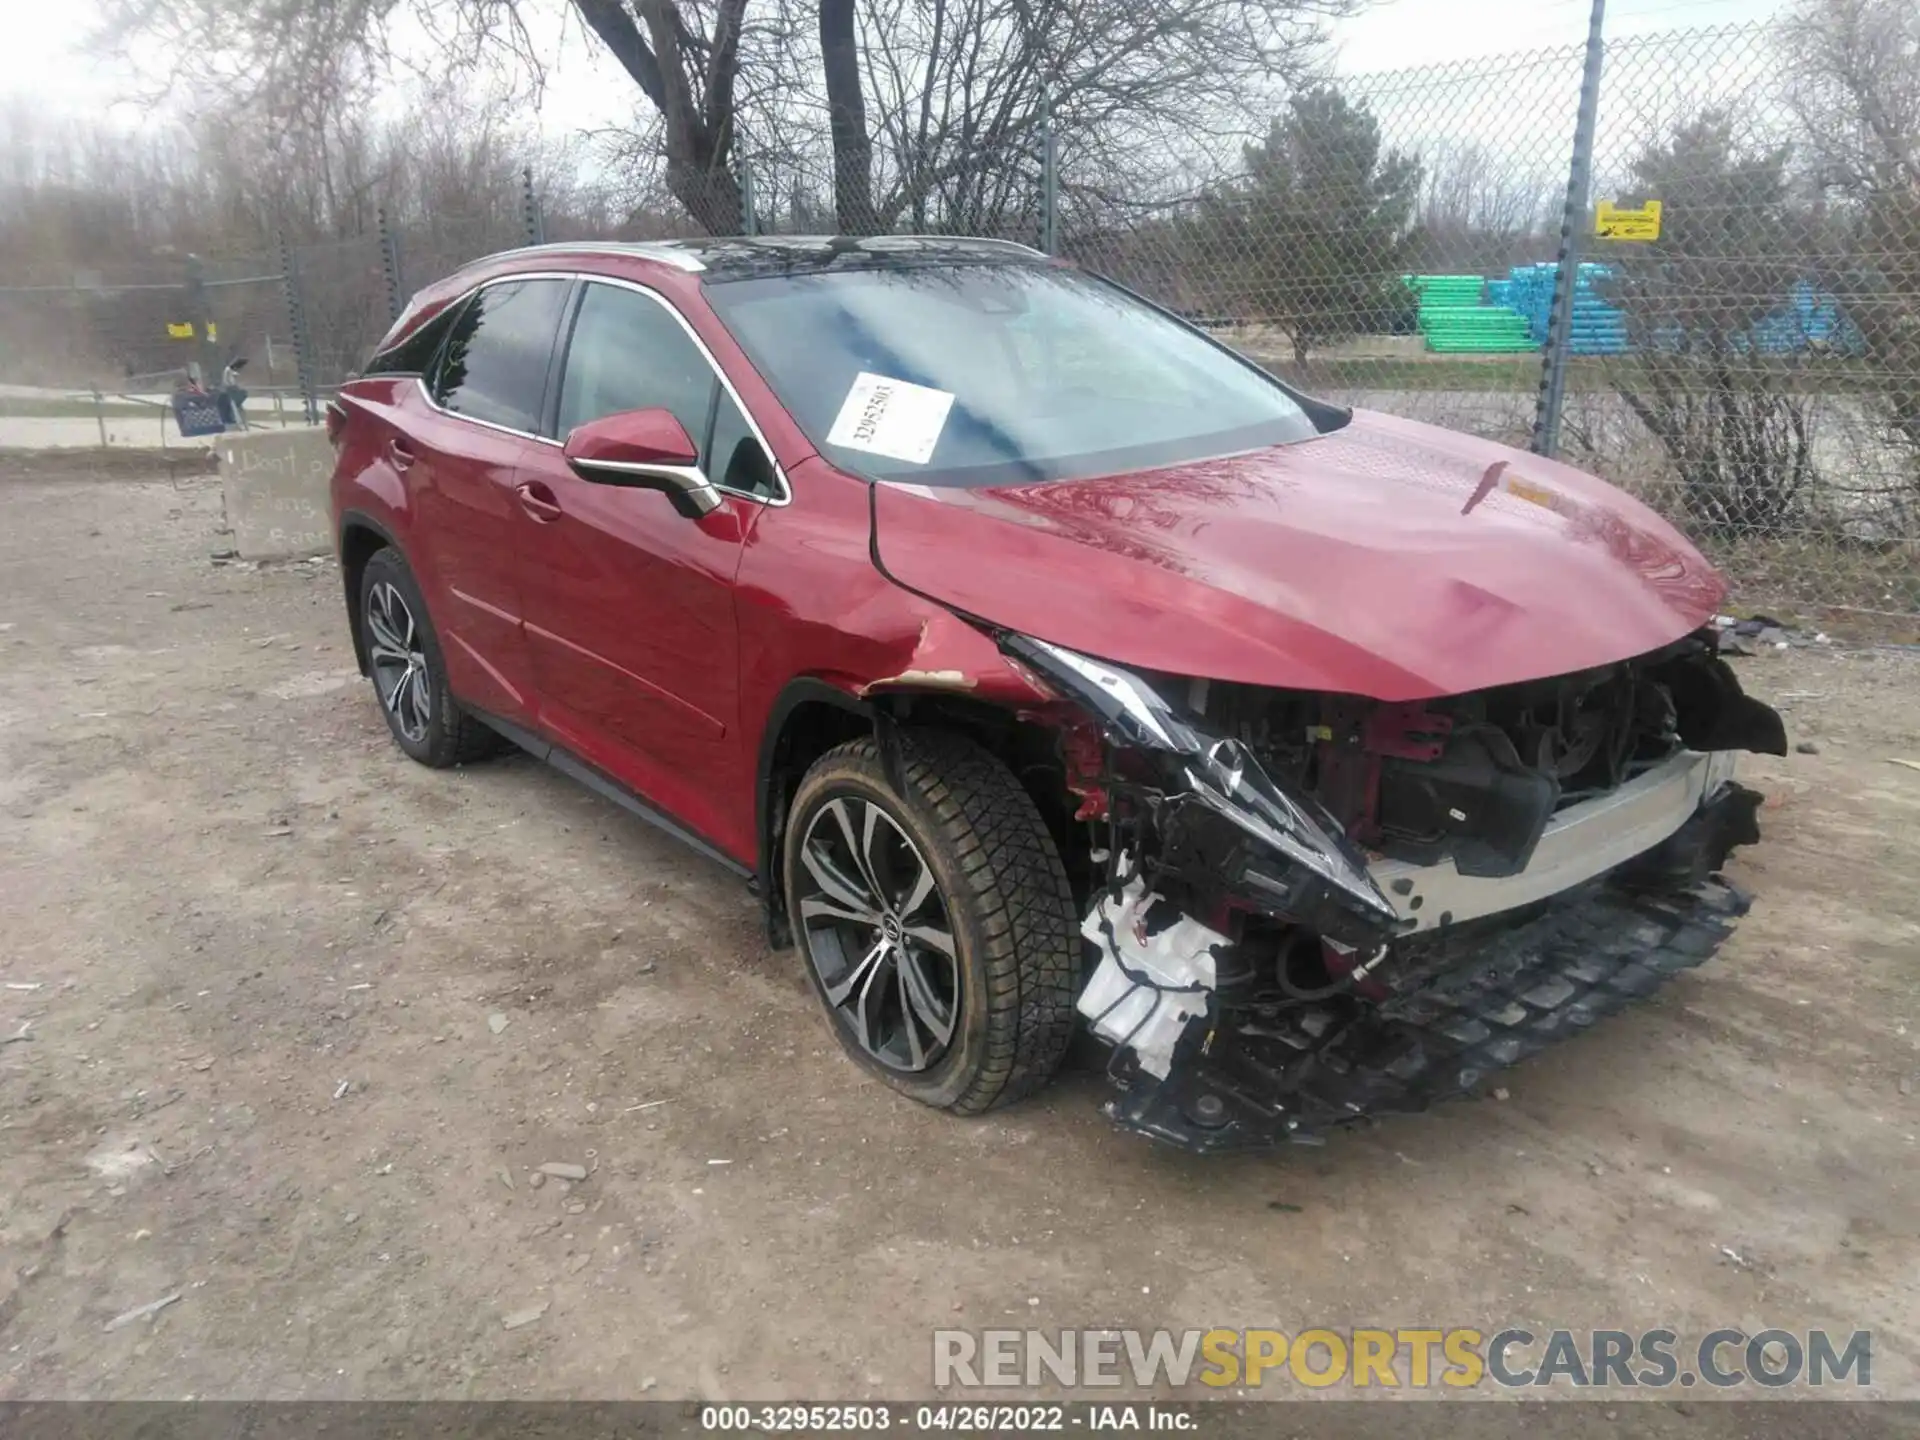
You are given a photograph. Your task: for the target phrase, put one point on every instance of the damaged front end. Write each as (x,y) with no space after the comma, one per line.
(1313,908)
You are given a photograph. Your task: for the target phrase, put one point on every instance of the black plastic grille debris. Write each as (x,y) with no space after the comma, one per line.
(1522,989)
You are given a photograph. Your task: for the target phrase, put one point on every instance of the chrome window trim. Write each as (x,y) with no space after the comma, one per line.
(634,467)
(438,408)
(785,497)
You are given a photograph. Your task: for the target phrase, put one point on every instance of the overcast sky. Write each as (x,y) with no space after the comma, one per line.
(40,60)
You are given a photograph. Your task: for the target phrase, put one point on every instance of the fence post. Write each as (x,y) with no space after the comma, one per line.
(749,220)
(1049,177)
(1553,366)
(530,207)
(297,326)
(389,262)
(200,316)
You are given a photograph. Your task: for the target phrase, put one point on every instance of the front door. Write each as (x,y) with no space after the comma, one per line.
(628,604)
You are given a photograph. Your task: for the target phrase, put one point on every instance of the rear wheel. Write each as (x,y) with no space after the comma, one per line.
(408,671)
(936,920)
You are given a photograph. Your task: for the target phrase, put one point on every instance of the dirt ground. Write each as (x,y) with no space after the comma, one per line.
(263,962)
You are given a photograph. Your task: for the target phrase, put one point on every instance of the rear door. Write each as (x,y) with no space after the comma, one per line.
(473,431)
(629,604)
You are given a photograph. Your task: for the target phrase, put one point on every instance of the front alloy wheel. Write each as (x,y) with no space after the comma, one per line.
(935,918)
(878,934)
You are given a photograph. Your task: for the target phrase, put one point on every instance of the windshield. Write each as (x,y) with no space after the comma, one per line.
(997,374)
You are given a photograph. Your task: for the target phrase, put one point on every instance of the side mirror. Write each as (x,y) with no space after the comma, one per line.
(643,450)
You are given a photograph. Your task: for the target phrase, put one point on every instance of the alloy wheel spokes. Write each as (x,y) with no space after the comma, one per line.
(919,891)
(920,999)
(858,976)
(878,935)
(380,620)
(857,840)
(869,1007)
(414,701)
(933,937)
(399,662)
(850,896)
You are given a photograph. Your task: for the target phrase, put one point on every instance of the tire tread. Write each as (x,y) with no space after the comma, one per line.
(1018,890)
(454,737)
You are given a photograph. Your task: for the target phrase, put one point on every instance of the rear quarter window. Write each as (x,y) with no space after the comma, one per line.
(414,355)
(494,364)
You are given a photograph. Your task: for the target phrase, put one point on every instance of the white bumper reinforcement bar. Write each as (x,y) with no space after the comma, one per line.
(1580,842)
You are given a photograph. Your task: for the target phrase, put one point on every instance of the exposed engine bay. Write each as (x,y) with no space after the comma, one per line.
(1475,778)
(1315,908)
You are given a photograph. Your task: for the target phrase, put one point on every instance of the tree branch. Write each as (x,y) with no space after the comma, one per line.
(610,20)
(723,64)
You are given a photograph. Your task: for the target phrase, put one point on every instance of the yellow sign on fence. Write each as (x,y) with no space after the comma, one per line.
(1611,223)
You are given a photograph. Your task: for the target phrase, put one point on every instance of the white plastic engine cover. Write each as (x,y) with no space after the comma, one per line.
(1175,972)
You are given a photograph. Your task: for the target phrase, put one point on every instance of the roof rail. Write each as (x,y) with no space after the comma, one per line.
(665,252)
(685,255)
(992,242)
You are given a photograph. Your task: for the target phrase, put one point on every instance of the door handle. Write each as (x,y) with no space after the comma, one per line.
(400,453)
(538,502)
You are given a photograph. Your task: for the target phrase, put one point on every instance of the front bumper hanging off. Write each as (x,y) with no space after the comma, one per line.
(1541,982)
(1439,975)
(1489,995)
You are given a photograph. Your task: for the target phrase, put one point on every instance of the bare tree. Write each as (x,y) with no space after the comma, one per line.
(847,129)
(303,64)
(959,92)
(920,109)
(1482,208)
(89,209)
(1855,89)
(1736,423)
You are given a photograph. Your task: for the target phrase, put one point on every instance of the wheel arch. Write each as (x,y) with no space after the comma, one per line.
(361,538)
(809,717)
(812,715)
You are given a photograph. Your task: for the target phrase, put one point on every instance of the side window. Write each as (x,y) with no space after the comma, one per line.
(736,459)
(414,355)
(629,353)
(495,365)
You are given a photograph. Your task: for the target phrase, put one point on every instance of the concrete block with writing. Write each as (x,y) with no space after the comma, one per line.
(275,486)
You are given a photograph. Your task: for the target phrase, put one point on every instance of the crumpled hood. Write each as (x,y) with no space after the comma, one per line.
(1388,559)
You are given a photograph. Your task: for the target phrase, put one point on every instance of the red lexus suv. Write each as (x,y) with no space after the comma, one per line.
(1047,666)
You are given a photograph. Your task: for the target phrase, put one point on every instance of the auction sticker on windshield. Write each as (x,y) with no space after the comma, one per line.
(891,417)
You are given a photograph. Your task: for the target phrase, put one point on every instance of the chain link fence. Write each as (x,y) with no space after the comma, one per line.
(1754,372)
(1434,243)
(96,356)
(1748,364)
